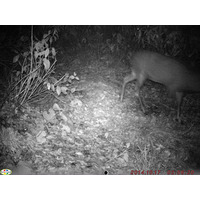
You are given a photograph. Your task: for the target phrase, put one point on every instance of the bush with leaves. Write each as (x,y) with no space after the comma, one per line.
(163,39)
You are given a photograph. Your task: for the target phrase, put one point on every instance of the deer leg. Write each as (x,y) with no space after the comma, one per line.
(139,84)
(127,79)
(179,97)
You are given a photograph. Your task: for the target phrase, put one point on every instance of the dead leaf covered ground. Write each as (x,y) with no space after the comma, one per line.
(92,132)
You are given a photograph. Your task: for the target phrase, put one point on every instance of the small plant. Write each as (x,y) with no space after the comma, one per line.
(33,68)
(61,85)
